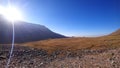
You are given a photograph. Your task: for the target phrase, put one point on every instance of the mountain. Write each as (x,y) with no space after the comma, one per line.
(117,32)
(24,32)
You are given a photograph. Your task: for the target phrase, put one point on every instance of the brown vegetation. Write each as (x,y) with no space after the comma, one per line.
(82,52)
(77,43)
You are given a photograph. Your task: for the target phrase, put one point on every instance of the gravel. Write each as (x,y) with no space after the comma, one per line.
(25,57)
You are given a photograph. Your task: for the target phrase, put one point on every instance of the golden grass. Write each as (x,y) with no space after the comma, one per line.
(77,43)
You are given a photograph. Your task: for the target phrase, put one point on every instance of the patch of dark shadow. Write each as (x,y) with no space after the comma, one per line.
(73,54)
(1,53)
(31,63)
(2,57)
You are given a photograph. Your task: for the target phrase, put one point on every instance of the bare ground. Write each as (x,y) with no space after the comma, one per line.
(26,57)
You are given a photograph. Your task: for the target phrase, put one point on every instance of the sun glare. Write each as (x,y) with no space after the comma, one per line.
(11,13)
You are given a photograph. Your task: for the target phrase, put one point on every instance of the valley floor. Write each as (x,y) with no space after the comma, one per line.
(24,57)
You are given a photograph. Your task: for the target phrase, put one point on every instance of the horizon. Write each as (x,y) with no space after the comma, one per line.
(72,18)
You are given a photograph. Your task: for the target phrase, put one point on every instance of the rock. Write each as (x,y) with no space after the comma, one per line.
(2,57)
(1,53)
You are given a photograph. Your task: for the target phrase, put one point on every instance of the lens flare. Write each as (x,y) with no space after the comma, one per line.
(11,13)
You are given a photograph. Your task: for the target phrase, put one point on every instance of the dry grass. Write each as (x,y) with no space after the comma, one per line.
(77,43)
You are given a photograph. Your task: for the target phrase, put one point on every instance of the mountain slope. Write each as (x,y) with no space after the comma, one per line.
(73,44)
(24,32)
(117,32)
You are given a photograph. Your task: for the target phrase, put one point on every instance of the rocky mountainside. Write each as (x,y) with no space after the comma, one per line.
(24,32)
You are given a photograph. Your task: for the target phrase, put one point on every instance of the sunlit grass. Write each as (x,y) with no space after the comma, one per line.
(77,43)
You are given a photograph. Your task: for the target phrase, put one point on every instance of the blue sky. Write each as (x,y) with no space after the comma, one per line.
(72,17)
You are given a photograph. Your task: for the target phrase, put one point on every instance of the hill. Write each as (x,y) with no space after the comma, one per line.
(24,32)
(117,32)
(73,44)
(82,52)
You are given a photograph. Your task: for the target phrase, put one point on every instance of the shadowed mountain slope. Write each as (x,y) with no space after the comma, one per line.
(24,32)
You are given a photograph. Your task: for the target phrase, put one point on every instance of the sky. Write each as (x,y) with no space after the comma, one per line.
(72,17)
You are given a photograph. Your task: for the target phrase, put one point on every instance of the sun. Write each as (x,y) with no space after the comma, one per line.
(11,13)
